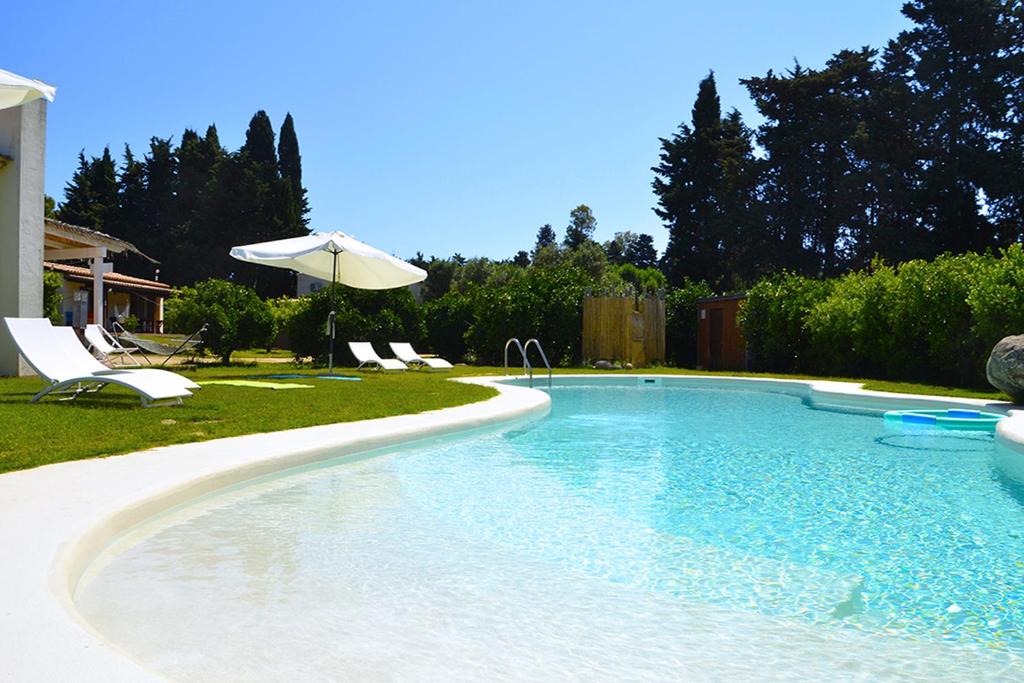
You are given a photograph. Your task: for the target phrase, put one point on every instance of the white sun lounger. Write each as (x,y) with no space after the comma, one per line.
(59,358)
(404,352)
(108,348)
(366,355)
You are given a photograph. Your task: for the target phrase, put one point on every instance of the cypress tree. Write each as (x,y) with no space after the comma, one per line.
(79,197)
(685,182)
(129,219)
(290,166)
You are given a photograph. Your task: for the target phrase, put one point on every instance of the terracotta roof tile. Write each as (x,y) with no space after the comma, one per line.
(116,279)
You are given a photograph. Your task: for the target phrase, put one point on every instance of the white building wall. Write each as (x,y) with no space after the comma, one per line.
(23,139)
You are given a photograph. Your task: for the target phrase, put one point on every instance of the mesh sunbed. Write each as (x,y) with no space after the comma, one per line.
(404,352)
(184,345)
(58,357)
(367,356)
(108,348)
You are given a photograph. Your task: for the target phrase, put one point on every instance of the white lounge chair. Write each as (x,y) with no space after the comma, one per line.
(366,355)
(107,348)
(59,358)
(404,352)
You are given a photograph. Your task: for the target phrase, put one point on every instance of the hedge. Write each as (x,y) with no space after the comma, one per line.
(929,321)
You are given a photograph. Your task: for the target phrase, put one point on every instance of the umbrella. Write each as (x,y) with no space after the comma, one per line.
(333,256)
(16,90)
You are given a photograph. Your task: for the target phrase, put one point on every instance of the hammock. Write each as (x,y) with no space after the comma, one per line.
(191,344)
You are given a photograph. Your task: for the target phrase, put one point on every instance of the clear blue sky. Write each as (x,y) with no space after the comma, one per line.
(429,126)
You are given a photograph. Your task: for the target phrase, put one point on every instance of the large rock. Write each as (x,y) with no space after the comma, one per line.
(1005,369)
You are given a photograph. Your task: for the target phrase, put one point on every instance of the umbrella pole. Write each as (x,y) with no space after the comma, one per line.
(331,318)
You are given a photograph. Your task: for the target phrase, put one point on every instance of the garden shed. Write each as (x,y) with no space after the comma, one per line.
(720,343)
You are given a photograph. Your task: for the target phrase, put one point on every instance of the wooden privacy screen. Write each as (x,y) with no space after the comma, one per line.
(624,329)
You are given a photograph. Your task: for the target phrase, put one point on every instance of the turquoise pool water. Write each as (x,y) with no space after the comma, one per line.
(635,532)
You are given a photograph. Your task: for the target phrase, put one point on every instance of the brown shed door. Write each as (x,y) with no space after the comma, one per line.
(715,338)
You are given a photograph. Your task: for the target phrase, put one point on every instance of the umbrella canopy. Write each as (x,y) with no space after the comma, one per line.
(16,90)
(333,256)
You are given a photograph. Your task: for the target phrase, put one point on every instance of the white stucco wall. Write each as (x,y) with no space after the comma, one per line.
(23,139)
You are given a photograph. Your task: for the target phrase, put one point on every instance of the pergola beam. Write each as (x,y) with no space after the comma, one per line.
(74,254)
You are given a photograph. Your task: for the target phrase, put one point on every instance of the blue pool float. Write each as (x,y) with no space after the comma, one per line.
(946,419)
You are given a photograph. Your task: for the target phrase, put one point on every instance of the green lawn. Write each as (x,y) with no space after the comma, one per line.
(112,420)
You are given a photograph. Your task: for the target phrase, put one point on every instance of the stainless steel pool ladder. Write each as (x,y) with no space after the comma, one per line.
(527,366)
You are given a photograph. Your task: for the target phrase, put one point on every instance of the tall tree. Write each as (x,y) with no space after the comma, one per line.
(545,238)
(814,174)
(959,52)
(581,227)
(91,195)
(290,165)
(641,252)
(704,183)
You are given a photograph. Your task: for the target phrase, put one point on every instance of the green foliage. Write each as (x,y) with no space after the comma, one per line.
(642,280)
(53,297)
(546,237)
(546,303)
(284,309)
(362,315)
(772,320)
(580,229)
(681,322)
(932,321)
(187,205)
(236,318)
(130,323)
(445,322)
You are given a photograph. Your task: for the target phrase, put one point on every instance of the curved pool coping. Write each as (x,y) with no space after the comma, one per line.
(56,519)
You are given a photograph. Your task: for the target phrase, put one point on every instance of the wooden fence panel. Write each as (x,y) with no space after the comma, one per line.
(624,329)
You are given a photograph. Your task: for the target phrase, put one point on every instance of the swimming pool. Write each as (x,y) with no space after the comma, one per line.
(635,532)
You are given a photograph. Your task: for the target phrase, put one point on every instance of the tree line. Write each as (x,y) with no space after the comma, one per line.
(905,152)
(186,205)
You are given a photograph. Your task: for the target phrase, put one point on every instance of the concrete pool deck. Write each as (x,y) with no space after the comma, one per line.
(56,519)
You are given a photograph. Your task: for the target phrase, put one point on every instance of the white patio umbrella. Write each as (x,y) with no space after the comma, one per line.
(16,90)
(333,256)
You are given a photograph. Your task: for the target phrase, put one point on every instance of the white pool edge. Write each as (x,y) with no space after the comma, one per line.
(54,520)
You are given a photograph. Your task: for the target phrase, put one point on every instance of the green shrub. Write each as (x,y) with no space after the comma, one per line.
(773,321)
(378,316)
(283,309)
(544,302)
(930,321)
(236,318)
(130,322)
(53,297)
(445,322)
(641,280)
(681,322)
(849,329)
(997,301)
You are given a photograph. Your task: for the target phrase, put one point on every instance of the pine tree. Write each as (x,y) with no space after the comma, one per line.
(545,238)
(581,227)
(641,252)
(959,54)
